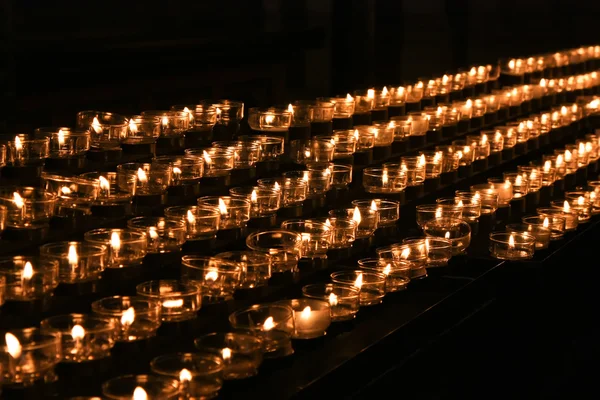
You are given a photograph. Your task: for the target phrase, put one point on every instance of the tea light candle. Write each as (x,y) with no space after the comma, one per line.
(488,197)
(389,210)
(512,246)
(136,318)
(314,150)
(284,247)
(125,247)
(152,181)
(571,217)
(229,114)
(578,204)
(311,317)
(235,212)
(115,194)
(180,301)
(293,190)
(186,172)
(77,261)
(343,232)
(456,230)
(200,222)
(343,299)
(556,224)
(29,355)
(471,208)
(106,129)
(273,323)
(263,202)
(430,212)
(66,147)
(163,235)
(245,153)
(343,108)
(540,233)
(271,121)
(341,176)
(439,250)
(23,151)
(518,183)
(141,387)
(397,273)
(370,284)
(28,278)
(504,188)
(256,267)
(27,206)
(241,353)
(202,119)
(142,132)
(84,337)
(218,162)
(316,236)
(172,123)
(366,219)
(384,180)
(218,278)
(321,117)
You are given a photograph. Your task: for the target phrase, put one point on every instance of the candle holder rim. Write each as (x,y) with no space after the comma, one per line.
(136,235)
(150,306)
(259,307)
(529,239)
(191,288)
(354,291)
(266,258)
(217,364)
(254,343)
(382,204)
(84,249)
(141,378)
(291,303)
(40,264)
(49,323)
(222,266)
(131,223)
(52,338)
(7,193)
(337,276)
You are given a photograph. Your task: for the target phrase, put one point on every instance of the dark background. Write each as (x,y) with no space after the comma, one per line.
(59,57)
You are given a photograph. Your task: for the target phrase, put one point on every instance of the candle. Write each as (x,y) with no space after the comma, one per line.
(241,353)
(512,246)
(29,278)
(141,387)
(218,278)
(311,317)
(343,299)
(180,300)
(136,318)
(370,284)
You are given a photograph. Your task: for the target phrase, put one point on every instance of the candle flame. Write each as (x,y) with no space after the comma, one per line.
(422,160)
(268,324)
(305,313)
(77,332)
(359,281)
(438,213)
(387,269)
(328,222)
(405,253)
(477,197)
(27,271)
(60,138)
(142,176)
(128,317)
(115,241)
(447,235)
(185,375)
(13,345)
(72,256)
(305,176)
(589,147)
(190,217)
(176,171)
(356,135)
(507,184)
(460,203)
(518,180)
(277,186)
(580,200)
(546,222)
(384,177)
(153,233)
(581,148)
(511,241)
(211,275)
(511,64)
(269,118)
(222,207)
(333,299)
(533,174)
(253,196)
(384,91)
(132,126)
(165,121)
(226,353)
(373,205)
(356,216)
(96,125)
(559,161)
(566,206)
(140,394)
(484,139)
(371,93)
(18,200)
(290,109)
(206,157)
(104,184)
(349,98)
(65,190)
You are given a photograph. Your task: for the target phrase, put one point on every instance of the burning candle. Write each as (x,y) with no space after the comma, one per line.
(241,353)
(311,317)
(180,300)
(136,318)
(370,284)
(141,387)
(29,278)
(512,246)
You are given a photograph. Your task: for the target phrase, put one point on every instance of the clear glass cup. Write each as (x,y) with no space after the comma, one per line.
(26,206)
(316,236)
(218,278)
(136,318)
(344,300)
(241,353)
(77,261)
(397,273)
(256,267)
(200,222)
(263,201)
(28,278)
(125,247)
(366,219)
(384,180)
(235,212)
(429,212)
(142,386)
(370,284)
(163,235)
(180,301)
(312,317)
(284,247)
(512,246)
(389,210)
(471,208)
(456,230)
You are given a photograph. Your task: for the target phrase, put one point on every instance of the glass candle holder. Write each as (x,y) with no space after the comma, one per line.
(241,353)
(271,147)
(439,251)
(418,123)
(579,205)
(495,140)
(456,230)
(141,387)
(270,120)
(365,139)
(273,323)
(541,234)
(519,183)
(429,212)
(142,129)
(480,146)
(185,170)
(28,278)
(343,107)
(434,162)
(571,217)
(555,163)
(245,154)
(84,337)
(198,115)
(343,232)
(112,191)
(235,212)
(413,253)
(344,300)
(533,176)
(397,274)
(503,188)
(341,175)
(509,135)
(3,216)
(465,151)
(136,317)
(512,246)
(345,143)
(384,180)
(389,210)
(29,355)
(556,224)
(316,236)
(256,267)
(314,150)
(488,197)
(450,158)
(77,261)
(414,167)
(229,114)
(70,189)
(366,219)
(26,206)
(218,278)
(163,235)
(471,208)
(106,129)
(125,247)
(218,161)
(180,301)
(172,123)
(284,247)
(311,317)
(370,284)
(262,201)
(383,132)
(150,178)
(200,222)
(64,142)
(293,190)
(319,181)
